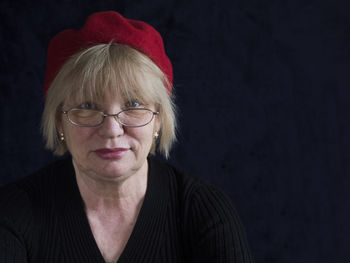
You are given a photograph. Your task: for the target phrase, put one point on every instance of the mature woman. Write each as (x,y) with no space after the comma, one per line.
(108,103)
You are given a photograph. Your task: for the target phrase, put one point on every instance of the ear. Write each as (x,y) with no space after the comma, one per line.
(157,123)
(59,124)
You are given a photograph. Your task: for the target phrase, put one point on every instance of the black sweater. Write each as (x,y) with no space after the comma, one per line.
(182,219)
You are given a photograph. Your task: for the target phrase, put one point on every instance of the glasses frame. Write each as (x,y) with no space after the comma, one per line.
(116,117)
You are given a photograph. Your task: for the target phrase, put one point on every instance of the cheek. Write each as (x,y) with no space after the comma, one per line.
(77,138)
(143,137)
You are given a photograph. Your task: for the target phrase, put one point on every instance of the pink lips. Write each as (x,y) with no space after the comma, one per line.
(111,153)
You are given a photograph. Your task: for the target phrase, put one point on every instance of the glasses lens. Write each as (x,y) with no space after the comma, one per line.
(135,117)
(85,117)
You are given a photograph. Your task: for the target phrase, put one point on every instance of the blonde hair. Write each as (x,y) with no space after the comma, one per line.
(112,69)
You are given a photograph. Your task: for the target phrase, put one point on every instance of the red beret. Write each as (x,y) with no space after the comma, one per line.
(106,27)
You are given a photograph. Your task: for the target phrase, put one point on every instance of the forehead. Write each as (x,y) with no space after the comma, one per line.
(109,96)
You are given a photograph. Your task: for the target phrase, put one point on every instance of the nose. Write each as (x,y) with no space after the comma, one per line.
(111,128)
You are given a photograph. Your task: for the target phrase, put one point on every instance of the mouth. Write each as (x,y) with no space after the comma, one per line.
(111,153)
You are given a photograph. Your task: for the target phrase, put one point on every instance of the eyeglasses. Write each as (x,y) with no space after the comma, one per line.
(137,117)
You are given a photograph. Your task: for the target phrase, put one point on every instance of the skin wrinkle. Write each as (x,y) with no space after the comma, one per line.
(113,190)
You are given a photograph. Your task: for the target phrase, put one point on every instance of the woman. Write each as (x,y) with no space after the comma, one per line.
(108,103)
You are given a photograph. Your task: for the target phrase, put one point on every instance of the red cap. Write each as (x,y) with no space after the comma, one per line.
(103,28)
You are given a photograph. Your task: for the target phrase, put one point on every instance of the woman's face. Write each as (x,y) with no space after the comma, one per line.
(110,150)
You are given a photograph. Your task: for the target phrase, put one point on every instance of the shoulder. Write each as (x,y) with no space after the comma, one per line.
(198,198)
(43,177)
(25,206)
(211,227)
(19,199)
(193,188)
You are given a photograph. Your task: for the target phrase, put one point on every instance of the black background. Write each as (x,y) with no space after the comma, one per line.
(262,89)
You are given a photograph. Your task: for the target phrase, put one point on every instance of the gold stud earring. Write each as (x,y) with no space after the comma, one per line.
(156,135)
(61,137)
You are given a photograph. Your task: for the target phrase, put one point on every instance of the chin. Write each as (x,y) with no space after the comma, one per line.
(111,168)
(117,168)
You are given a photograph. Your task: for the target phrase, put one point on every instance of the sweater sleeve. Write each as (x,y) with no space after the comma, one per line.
(12,249)
(14,217)
(217,235)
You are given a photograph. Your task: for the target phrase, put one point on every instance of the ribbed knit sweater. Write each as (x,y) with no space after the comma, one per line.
(182,219)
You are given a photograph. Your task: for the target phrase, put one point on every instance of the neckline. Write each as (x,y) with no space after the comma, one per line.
(145,239)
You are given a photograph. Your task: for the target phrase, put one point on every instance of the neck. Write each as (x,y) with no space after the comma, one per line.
(118,195)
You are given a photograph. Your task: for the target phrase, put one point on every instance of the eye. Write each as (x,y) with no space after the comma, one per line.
(133,104)
(87,105)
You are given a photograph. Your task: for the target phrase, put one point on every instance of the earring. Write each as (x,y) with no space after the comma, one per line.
(61,137)
(156,135)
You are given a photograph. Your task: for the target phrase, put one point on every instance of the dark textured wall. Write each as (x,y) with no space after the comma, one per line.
(263,93)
